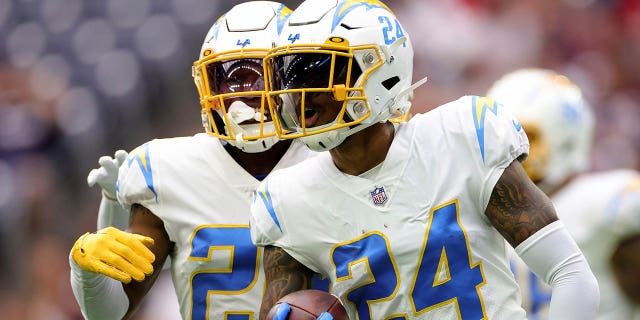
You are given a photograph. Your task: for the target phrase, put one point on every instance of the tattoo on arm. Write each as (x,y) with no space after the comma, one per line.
(284,275)
(517,207)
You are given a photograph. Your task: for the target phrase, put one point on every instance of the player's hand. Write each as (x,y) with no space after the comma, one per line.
(284,309)
(282,312)
(114,253)
(107,175)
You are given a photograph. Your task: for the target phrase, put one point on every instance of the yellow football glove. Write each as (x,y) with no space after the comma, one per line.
(115,253)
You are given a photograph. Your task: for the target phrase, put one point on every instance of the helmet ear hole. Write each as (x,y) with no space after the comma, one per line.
(391,82)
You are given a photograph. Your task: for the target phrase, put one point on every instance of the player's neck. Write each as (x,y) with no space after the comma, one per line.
(364,150)
(260,163)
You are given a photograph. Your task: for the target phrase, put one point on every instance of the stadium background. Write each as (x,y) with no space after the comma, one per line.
(80,79)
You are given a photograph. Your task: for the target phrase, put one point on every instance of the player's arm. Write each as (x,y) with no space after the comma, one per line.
(144,222)
(624,258)
(526,218)
(283,275)
(111,270)
(517,207)
(625,263)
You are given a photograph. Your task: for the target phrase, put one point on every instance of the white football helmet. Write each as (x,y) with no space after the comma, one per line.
(351,53)
(557,119)
(230,76)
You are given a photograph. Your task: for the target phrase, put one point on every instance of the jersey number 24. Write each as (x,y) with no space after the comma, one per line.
(445,274)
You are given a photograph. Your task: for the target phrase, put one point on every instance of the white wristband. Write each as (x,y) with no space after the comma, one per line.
(99,296)
(553,255)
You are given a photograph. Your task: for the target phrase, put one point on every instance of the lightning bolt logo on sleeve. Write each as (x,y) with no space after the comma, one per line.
(265,196)
(141,156)
(480,107)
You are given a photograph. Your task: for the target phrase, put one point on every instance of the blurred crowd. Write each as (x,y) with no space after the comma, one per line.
(465,45)
(81,79)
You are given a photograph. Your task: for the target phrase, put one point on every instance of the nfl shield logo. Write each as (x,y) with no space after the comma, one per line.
(378,196)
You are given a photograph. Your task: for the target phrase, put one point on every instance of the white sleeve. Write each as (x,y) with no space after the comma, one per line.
(136,185)
(137,176)
(98,296)
(265,226)
(554,256)
(112,214)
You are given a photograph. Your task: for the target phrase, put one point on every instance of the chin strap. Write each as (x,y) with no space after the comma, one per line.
(409,89)
(388,53)
(396,112)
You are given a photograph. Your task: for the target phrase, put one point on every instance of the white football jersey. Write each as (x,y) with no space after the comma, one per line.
(203,197)
(409,241)
(599,209)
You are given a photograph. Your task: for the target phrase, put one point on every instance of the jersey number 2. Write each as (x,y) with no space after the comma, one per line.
(239,277)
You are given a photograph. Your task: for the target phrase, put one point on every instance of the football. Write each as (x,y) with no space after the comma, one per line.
(309,305)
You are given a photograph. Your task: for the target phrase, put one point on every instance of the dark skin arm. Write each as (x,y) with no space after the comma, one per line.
(625,263)
(517,207)
(284,275)
(144,222)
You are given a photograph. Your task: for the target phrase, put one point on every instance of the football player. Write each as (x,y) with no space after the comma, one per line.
(600,210)
(189,197)
(409,220)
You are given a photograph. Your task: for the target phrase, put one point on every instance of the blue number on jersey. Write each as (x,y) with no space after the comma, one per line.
(318,283)
(447,273)
(239,278)
(373,250)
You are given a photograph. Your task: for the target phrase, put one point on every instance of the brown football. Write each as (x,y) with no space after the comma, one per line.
(309,305)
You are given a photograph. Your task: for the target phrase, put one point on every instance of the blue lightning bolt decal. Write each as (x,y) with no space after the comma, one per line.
(480,107)
(516,124)
(263,191)
(216,28)
(348,5)
(283,14)
(141,156)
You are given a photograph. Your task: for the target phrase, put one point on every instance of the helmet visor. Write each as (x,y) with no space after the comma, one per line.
(233,76)
(304,83)
(236,93)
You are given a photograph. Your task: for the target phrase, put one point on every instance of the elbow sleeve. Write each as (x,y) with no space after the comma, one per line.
(98,296)
(553,255)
